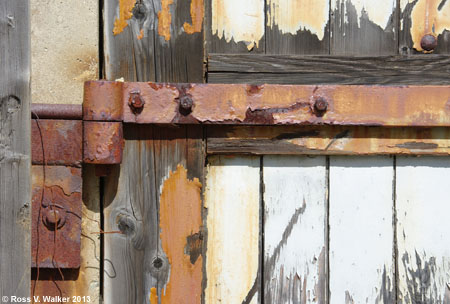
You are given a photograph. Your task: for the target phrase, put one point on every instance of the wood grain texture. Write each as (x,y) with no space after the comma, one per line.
(422,229)
(422,17)
(363,27)
(232,199)
(361,230)
(138,265)
(15,151)
(234,26)
(155,40)
(327,140)
(297,27)
(295,247)
(292,69)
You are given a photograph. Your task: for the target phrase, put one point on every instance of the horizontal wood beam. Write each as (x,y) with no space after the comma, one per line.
(294,69)
(327,140)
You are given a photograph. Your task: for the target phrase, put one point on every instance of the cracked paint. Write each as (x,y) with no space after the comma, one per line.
(197,14)
(125,13)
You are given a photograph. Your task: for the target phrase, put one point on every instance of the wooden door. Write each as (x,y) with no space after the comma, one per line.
(269,228)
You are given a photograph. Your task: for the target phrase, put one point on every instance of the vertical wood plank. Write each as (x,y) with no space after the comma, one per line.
(155,40)
(295,249)
(15,160)
(361,230)
(422,17)
(234,26)
(155,249)
(232,199)
(363,27)
(298,27)
(423,229)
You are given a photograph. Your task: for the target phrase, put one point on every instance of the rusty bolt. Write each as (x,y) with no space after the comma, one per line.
(428,42)
(186,104)
(54,218)
(136,102)
(320,105)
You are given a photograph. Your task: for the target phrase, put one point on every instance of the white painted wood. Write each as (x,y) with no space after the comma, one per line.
(294,229)
(232,199)
(423,229)
(361,230)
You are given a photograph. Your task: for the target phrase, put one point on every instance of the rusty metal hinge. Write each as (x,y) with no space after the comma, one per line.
(63,138)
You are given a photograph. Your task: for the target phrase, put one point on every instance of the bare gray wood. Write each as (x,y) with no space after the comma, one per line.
(290,69)
(135,264)
(15,160)
(140,53)
(356,30)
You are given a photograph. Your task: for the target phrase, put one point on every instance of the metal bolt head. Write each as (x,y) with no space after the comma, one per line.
(320,105)
(136,102)
(428,42)
(54,218)
(186,104)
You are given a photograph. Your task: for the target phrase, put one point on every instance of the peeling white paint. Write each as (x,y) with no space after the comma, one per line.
(294,264)
(423,188)
(379,12)
(238,20)
(232,199)
(293,15)
(361,230)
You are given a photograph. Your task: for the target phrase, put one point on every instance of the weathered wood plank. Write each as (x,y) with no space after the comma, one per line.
(327,140)
(232,199)
(64,45)
(297,27)
(15,151)
(363,27)
(422,17)
(154,40)
(295,228)
(423,229)
(148,204)
(361,230)
(234,26)
(291,69)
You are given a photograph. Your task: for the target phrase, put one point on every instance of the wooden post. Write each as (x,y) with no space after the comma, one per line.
(14,150)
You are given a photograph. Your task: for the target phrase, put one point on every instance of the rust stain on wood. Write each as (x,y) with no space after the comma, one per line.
(153,296)
(125,13)
(165,19)
(429,17)
(180,222)
(197,14)
(291,16)
(141,34)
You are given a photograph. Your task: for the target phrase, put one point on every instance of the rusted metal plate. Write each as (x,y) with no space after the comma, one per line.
(56,216)
(60,139)
(328,140)
(102,101)
(56,111)
(103,142)
(288,104)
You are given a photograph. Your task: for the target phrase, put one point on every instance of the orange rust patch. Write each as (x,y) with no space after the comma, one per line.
(180,219)
(125,13)
(141,34)
(165,19)
(153,296)
(428,19)
(197,13)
